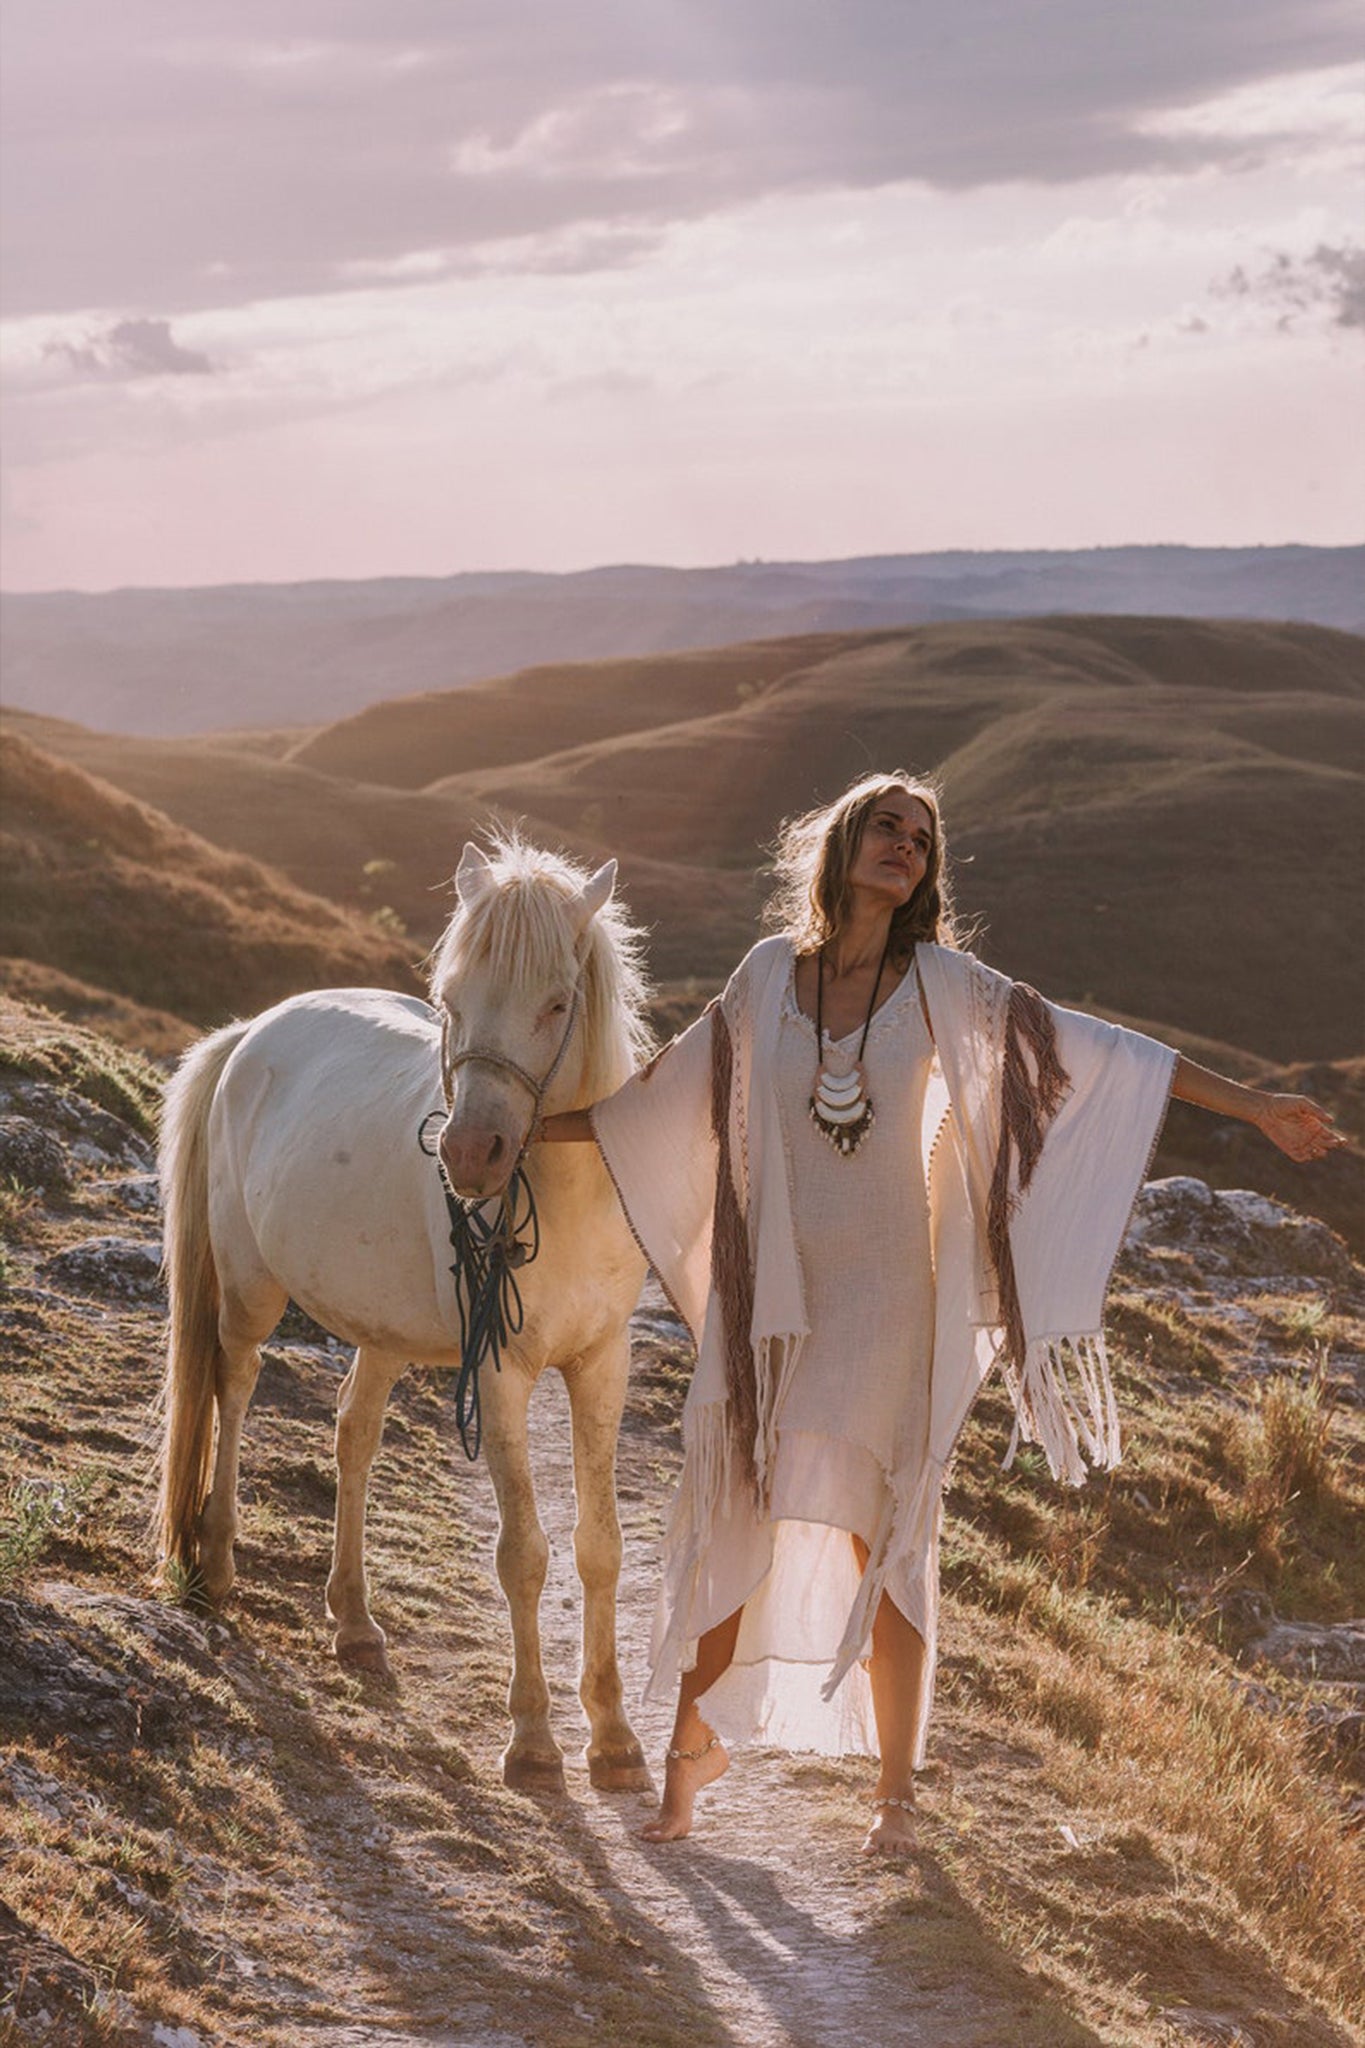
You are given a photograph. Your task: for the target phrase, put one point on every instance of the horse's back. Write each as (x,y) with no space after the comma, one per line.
(315,1130)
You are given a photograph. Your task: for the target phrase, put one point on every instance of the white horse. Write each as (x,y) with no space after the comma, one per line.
(291,1167)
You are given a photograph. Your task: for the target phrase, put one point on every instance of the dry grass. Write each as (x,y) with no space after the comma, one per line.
(117,1019)
(112,894)
(264,1844)
(1285,1445)
(1109,1603)
(48,1047)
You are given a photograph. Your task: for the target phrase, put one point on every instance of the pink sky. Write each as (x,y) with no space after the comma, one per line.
(334,290)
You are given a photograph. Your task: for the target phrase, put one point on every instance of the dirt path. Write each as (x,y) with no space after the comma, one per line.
(767,1905)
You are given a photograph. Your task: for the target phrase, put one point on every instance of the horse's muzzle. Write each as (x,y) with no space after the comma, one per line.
(478,1159)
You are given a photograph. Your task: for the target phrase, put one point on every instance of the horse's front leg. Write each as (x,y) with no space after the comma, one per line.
(532,1761)
(597,1393)
(359,1640)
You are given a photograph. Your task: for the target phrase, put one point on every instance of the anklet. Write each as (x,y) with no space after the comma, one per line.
(906,1805)
(693,1756)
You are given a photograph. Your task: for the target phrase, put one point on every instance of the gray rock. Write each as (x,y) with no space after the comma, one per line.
(1311,1649)
(1343,1729)
(1235,1231)
(32,1155)
(140,1192)
(296,1326)
(105,1695)
(94,1135)
(29,1786)
(115,1268)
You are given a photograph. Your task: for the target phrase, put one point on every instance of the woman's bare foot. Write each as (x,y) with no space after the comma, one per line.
(684,1777)
(892,1832)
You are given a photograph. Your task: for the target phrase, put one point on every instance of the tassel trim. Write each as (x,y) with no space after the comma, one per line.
(1028,1104)
(732,1277)
(1064,1401)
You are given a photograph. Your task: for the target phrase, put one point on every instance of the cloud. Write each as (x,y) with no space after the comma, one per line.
(1327,280)
(132,349)
(1344,273)
(234,152)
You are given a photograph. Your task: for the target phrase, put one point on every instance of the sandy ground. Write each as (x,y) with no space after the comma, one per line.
(768,1902)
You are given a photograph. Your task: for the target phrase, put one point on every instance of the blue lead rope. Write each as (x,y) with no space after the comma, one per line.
(489,1253)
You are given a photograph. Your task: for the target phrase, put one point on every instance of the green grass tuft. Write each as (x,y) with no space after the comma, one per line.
(34,1511)
(35,1042)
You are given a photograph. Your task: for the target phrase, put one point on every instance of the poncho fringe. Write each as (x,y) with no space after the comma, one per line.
(1028,1103)
(732,1272)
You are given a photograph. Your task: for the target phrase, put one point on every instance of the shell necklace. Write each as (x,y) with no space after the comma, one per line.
(840,1106)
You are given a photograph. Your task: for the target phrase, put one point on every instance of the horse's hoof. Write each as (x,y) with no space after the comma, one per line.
(618,1770)
(365,1656)
(524,1772)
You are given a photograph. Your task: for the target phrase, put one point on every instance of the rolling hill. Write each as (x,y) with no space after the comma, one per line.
(1160,817)
(182,661)
(1155,818)
(111,895)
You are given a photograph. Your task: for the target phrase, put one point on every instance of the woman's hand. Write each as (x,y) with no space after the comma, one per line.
(1298,1125)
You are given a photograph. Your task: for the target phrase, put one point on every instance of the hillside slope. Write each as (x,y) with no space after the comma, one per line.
(1156,816)
(1162,817)
(373,849)
(1139,1824)
(109,892)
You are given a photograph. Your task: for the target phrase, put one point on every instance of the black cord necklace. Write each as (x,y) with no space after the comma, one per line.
(840,1106)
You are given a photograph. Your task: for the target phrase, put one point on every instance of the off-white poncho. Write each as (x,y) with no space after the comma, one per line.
(697,1147)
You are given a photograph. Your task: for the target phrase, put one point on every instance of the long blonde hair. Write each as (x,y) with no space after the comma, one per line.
(815,853)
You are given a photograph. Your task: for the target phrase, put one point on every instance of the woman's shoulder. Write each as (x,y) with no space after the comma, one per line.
(769,959)
(762,957)
(953,963)
(959,985)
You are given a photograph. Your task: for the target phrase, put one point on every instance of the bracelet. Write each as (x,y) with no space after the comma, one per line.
(906,1805)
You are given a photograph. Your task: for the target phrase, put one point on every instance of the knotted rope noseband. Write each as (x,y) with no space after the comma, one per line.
(490,1250)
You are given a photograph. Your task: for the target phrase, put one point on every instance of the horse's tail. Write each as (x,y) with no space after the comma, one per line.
(193,1350)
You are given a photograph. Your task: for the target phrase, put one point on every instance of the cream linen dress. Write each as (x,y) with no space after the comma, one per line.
(857,1407)
(865,1362)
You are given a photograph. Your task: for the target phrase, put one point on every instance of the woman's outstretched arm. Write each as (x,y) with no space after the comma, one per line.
(1297,1124)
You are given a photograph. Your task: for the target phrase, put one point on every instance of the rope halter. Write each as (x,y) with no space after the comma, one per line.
(490,1251)
(489,1056)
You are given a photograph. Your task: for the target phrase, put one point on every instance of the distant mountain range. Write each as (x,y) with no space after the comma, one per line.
(184,661)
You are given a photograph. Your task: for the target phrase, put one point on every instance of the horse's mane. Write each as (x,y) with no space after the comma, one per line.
(519,929)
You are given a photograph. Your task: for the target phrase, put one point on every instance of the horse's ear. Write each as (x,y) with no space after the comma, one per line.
(474,873)
(595,893)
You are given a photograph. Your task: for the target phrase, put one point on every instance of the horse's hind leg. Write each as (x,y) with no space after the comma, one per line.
(597,1391)
(532,1761)
(359,1640)
(246,1317)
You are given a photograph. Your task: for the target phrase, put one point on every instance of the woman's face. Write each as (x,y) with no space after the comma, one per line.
(893,853)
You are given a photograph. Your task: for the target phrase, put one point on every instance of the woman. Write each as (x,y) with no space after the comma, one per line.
(871,1170)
